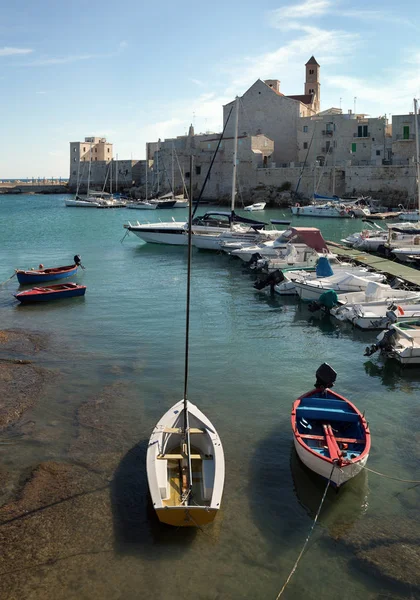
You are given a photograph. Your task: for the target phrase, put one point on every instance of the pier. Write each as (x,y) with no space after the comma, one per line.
(389,267)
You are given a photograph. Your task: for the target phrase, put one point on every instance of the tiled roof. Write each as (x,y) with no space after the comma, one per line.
(304,98)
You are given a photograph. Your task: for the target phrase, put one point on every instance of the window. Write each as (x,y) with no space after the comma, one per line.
(198,170)
(84,149)
(187,175)
(74,149)
(327,146)
(353,148)
(311,71)
(96,158)
(74,159)
(362,131)
(305,145)
(74,172)
(96,149)
(305,129)
(406,132)
(378,153)
(108,149)
(311,91)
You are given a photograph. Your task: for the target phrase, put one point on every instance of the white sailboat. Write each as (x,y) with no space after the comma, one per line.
(185,460)
(88,201)
(144,204)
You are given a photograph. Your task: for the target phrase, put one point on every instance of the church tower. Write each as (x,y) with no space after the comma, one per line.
(312,84)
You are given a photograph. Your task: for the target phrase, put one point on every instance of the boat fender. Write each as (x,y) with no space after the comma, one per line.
(41,266)
(297,205)
(400,310)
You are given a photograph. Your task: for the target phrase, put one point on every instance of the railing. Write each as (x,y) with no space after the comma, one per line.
(402,137)
(328,132)
(356,135)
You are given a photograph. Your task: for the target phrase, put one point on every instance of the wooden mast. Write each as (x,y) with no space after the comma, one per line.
(416,129)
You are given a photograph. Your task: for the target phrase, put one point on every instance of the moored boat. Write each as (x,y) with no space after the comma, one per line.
(256,206)
(331,436)
(41,274)
(52,292)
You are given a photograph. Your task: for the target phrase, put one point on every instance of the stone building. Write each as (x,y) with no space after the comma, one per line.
(334,138)
(172,162)
(264,109)
(92,160)
(404,139)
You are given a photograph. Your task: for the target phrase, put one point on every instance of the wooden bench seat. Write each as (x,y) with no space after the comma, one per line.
(182,456)
(179,430)
(308,436)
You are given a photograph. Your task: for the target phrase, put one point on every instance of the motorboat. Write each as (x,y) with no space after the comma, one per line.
(176,233)
(327,209)
(237,236)
(142,205)
(400,341)
(331,436)
(311,289)
(256,206)
(42,274)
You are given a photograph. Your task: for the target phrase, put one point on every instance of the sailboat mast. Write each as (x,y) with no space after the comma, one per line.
(157,170)
(90,163)
(146,175)
(172,171)
(186,429)
(235,155)
(416,129)
(110,177)
(78,175)
(116,174)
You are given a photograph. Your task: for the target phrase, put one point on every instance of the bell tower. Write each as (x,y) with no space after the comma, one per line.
(312,84)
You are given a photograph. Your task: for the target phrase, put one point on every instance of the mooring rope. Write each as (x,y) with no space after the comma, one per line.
(390,477)
(14,275)
(308,536)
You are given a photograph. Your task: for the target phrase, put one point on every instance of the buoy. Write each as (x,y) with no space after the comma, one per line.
(400,310)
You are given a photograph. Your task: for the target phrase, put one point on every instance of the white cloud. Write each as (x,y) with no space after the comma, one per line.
(7,51)
(198,82)
(61,60)
(309,8)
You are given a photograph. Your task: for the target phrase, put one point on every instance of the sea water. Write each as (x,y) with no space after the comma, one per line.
(251,355)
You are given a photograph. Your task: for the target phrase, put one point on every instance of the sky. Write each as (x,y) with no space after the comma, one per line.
(135,71)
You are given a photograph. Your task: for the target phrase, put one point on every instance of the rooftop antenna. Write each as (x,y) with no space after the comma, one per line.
(341,99)
(355,100)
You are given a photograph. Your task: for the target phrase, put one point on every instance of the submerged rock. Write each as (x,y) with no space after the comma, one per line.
(21,385)
(388,548)
(20,342)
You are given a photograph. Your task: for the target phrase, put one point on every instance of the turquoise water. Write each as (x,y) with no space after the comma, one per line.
(250,356)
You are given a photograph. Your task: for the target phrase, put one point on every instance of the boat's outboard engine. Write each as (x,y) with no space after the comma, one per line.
(271,280)
(78,261)
(326,300)
(325,376)
(254,259)
(386,343)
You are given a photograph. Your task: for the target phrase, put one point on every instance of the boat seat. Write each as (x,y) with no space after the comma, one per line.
(208,472)
(37,289)
(162,478)
(181,456)
(179,430)
(326,413)
(308,436)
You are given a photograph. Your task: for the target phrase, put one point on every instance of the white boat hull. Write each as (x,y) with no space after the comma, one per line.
(202,506)
(323,467)
(82,203)
(318,211)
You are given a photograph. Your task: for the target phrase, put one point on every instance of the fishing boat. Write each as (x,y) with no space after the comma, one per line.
(331,436)
(311,289)
(185,460)
(256,206)
(400,341)
(52,292)
(40,275)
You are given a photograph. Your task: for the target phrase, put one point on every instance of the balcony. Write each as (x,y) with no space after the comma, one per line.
(328,132)
(400,137)
(327,150)
(356,135)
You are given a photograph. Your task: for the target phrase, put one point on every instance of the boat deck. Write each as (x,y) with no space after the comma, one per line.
(174,478)
(389,267)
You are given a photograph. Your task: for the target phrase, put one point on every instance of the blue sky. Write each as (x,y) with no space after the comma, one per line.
(135,71)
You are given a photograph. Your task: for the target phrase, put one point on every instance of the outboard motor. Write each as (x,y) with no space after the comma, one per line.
(272,279)
(78,261)
(325,376)
(254,259)
(386,343)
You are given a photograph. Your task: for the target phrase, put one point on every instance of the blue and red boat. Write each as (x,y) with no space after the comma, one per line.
(40,275)
(52,292)
(331,435)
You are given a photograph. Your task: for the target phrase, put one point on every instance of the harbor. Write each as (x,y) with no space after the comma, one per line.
(104,368)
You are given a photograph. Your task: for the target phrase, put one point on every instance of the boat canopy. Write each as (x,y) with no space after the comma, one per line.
(311,236)
(232,217)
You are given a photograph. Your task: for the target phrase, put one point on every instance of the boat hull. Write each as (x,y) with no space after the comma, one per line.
(339,476)
(25,277)
(32,296)
(186,516)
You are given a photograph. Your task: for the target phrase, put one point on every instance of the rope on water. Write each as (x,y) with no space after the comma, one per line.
(14,275)
(389,476)
(308,536)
